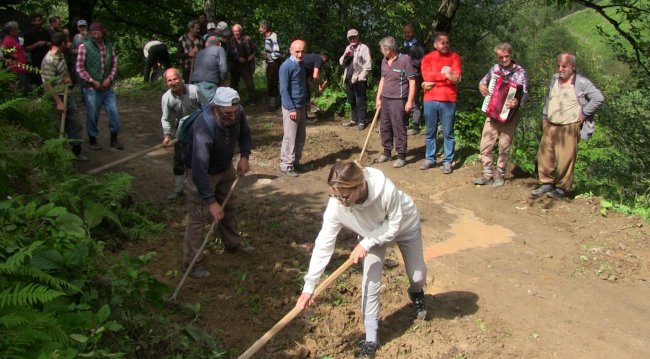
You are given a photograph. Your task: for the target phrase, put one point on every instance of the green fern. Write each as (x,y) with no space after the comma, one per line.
(15,262)
(29,294)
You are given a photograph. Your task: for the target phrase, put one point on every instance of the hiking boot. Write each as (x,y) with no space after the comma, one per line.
(81,158)
(483,180)
(361,127)
(446,168)
(498,182)
(542,189)
(368,349)
(115,143)
(349,124)
(412,132)
(199,272)
(290,172)
(399,163)
(427,164)
(419,305)
(556,193)
(298,167)
(382,159)
(93,145)
(243,247)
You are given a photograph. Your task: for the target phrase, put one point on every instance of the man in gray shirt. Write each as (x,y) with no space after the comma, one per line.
(179,101)
(210,68)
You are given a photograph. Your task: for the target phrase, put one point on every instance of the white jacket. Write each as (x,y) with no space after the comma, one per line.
(386,213)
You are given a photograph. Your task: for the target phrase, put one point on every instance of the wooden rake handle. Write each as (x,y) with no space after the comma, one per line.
(64,113)
(372,126)
(128,158)
(293,313)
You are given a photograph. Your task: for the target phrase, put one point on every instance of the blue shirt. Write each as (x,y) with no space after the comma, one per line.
(293,84)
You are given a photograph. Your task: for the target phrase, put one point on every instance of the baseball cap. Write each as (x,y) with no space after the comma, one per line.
(352,32)
(211,26)
(225,96)
(97,26)
(221,26)
(82,22)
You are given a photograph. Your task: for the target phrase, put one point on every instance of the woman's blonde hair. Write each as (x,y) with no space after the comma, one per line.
(345,174)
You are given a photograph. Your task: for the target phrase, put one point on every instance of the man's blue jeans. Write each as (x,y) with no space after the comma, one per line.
(94,100)
(445,112)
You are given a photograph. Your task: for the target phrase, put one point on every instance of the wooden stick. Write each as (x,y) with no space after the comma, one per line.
(128,158)
(372,125)
(64,113)
(205,242)
(293,313)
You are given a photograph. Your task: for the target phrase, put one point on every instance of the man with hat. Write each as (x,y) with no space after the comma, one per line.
(357,63)
(210,174)
(82,26)
(211,31)
(97,67)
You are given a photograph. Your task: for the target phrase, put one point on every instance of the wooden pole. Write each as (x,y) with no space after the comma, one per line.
(128,158)
(372,126)
(64,113)
(293,313)
(205,242)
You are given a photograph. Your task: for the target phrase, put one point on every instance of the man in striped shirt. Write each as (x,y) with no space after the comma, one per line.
(272,57)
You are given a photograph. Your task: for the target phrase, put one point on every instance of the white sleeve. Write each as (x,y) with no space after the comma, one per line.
(392,203)
(323,247)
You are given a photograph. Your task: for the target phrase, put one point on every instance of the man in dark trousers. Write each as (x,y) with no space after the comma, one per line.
(243,51)
(154,52)
(37,44)
(210,68)
(415,50)
(211,174)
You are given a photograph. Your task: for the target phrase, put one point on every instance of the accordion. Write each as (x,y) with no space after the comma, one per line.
(500,91)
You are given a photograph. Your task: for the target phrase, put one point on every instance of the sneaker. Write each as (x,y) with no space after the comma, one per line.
(361,127)
(382,159)
(542,189)
(368,349)
(289,173)
(498,182)
(412,132)
(243,248)
(95,146)
(419,305)
(199,272)
(81,158)
(427,164)
(349,124)
(446,168)
(399,163)
(115,144)
(483,180)
(556,193)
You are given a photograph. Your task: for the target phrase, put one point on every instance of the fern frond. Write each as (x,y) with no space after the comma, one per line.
(115,188)
(29,294)
(11,104)
(14,263)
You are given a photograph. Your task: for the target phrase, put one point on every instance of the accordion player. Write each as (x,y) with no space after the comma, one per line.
(500,91)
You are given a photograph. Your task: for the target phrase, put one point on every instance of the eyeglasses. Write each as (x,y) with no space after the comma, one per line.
(346,198)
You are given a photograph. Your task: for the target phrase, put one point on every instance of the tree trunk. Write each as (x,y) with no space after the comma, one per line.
(80,9)
(444,18)
(209,7)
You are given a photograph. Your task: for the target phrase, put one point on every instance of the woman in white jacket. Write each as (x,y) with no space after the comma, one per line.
(368,203)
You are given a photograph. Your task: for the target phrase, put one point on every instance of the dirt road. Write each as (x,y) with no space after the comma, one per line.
(515,277)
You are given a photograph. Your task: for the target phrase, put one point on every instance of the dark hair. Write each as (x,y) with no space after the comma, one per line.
(345,174)
(54,18)
(439,34)
(266,24)
(36,15)
(58,38)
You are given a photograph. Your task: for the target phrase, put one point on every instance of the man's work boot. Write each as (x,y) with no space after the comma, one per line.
(115,143)
(93,145)
(178,187)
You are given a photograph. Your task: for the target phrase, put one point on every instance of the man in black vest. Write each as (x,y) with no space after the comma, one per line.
(97,67)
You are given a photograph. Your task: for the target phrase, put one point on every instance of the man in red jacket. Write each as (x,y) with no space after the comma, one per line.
(441,70)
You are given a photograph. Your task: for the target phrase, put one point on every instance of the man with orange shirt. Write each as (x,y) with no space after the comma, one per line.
(441,71)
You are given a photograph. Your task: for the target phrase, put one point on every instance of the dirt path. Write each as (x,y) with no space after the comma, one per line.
(514,276)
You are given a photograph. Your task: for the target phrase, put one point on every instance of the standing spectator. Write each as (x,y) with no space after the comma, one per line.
(203,24)
(568,113)
(179,101)
(210,68)
(55,24)
(79,38)
(313,64)
(493,129)
(211,174)
(56,76)
(243,52)
(357,63)
(212,31)
(415,51)
(37,44)
(365,201)
(293,90)
(97,67)
(188,46)
(16,60)
(271,57)
(441,71)
(154,52)
(395,98)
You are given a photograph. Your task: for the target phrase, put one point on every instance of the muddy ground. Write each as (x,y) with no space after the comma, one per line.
(510,276)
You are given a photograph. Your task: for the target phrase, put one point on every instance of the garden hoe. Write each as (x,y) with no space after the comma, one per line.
(128,158)
(205,242)
(321,287)
(64,112)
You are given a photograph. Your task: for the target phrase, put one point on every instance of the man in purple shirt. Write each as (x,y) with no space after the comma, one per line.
(493,129)
(395,95)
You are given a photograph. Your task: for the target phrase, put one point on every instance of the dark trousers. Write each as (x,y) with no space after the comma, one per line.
(392,126)
(358,100)
(246,72)
(157,53)
(273,78)
(179,165)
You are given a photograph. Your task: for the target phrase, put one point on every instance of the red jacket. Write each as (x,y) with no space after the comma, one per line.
(432,66)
